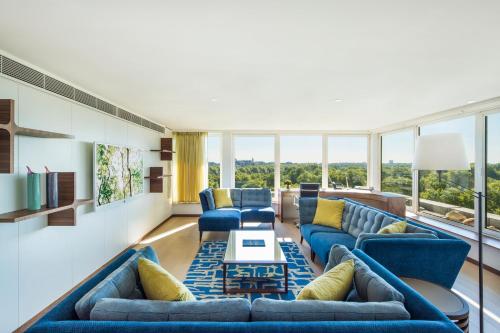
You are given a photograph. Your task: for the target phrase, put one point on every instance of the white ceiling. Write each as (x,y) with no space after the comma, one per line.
(265,65)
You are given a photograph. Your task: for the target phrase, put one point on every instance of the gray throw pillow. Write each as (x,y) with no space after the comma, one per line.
(221,310)
(264,309)
(369,286)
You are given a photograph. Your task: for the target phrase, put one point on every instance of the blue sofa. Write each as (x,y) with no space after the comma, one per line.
(249,205)
(64,318)
(421,252)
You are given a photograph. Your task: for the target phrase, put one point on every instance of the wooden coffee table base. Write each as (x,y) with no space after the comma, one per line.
(254,290)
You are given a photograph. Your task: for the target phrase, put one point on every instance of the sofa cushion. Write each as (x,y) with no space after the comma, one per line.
(210,198)
(307,209)
(333,285)
(369,286)
(329,213)
(236,197)
(222,197)
(160,285)
(255,197)
(265,309)
(121,283)
(260,214)
(393,228)
(364,219)
(307,230)
(220,310)
(220,220)
(322,242)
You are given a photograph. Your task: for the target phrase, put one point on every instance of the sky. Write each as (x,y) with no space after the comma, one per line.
(397,146)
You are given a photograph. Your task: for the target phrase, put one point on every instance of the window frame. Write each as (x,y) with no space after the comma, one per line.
(234,136)
(480,160)
(326,156)
(221,150)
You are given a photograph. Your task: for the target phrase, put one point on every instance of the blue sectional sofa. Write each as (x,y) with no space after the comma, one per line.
(111,302)
(249,205)
(421,252)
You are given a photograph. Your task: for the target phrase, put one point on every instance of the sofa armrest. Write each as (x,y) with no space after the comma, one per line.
(434,260)
(365,236)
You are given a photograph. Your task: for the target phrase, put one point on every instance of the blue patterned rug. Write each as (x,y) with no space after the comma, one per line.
(204,277)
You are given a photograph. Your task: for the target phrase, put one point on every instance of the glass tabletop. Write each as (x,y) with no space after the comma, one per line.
(270,253)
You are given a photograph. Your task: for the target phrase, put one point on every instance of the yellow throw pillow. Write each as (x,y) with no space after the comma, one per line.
(394,228)
(329,213)
(222,197)
(332,285)
(160,285)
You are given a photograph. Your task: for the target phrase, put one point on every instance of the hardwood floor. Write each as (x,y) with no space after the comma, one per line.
(176,243)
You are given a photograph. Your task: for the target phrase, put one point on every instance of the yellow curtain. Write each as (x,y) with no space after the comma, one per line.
(190,151)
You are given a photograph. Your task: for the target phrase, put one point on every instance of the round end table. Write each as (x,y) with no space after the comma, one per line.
(452,305)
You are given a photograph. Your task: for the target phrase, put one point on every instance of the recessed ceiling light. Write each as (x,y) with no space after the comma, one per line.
(338,100)
(471,101)
(214,100)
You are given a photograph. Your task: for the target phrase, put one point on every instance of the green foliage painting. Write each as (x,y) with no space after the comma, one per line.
(119,173)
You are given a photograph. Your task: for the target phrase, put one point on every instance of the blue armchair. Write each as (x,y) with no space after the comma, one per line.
(421,252)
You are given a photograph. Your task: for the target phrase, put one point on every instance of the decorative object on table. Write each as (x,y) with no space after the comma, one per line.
(287,183)
(254,243)
(51,189)
(451,304)
(440,152)
(204,277)
(34,201)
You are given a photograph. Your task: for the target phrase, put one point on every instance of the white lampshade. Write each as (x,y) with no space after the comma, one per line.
(440,152)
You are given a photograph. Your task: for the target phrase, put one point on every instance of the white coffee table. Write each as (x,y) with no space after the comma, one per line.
(269,254)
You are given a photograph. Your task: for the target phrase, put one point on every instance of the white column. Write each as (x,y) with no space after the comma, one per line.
(374,161)
(324,160)
(277,167)
(227,164)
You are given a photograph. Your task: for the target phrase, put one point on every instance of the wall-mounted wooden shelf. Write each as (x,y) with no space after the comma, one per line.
(165,150)
(9,128)
(156,179)
(64,215)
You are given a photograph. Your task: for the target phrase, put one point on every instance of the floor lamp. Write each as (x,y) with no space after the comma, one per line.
(441,152)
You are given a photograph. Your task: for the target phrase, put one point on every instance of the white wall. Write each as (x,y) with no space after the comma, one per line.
(38,263)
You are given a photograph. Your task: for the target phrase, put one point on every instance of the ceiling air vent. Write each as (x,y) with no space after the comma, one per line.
(59,87)
(106,107)
(84,98)
(22,72)
(158,128)
(129,116)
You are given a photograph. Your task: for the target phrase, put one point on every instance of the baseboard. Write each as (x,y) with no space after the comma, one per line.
(486,267)
(40,314)
(186,215)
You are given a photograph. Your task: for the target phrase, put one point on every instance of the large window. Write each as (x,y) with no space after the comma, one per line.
(254,161)
(347,161)
(300,159)
(214,158)
(493,172)
(397,155)
(439,198)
